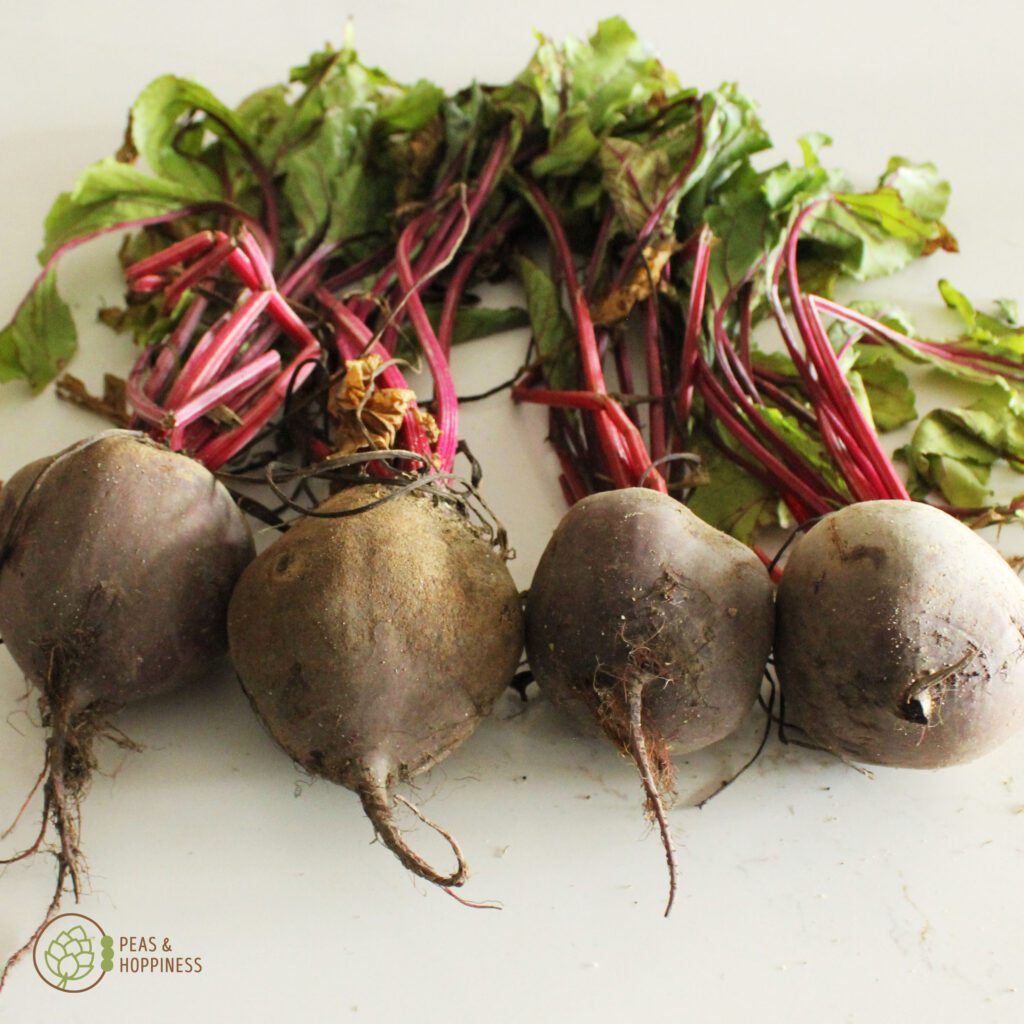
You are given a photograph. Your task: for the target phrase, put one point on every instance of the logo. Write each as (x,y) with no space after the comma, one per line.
(73,954)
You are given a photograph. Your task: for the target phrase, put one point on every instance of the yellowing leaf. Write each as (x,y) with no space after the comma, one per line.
(367,416)
(619,302)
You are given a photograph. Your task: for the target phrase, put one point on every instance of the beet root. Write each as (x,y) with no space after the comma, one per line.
(372,645)
(900,637)
(647,624)
(117,561)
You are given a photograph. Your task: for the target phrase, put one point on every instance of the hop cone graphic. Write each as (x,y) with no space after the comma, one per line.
(69,956)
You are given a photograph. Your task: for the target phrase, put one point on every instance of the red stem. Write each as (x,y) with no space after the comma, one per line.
(227,387)
(950,351)
(694,317)
(784,479)
(824,359)
(457,286)
(446,403)
(655,381)
(610,440)
(207,361)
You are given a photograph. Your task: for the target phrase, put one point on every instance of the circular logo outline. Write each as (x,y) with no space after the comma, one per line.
(35,958)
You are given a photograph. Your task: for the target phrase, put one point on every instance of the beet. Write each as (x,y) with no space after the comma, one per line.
(372,645)
(900,637)
(650,626)
(117,561)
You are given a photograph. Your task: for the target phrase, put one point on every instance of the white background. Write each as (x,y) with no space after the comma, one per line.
(808,892)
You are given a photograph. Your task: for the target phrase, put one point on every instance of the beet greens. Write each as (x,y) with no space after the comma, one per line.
(287,256)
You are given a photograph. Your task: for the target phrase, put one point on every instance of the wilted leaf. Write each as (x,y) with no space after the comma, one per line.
(619,303)
(366,416)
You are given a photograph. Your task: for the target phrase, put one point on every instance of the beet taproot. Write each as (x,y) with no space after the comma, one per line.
(117,562)
(372,644)
(900,637)
(650,626)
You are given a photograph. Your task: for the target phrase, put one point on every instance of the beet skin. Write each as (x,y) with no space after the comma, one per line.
(647,624)
(117,561)
(372,645)
(900,637)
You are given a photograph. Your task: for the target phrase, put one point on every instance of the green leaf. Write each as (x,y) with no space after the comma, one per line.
(732,500)
(920,187)
(108,193)
(410,111)
(871,234)
(784,185)
(552,329)
(573,147)
(732,133)
(996,419)
(612,72)
(889,394)
(635,177)
(158,117)
(472,322)
(980,326)
(329,184)
(266,116)
(1009,310)
(951,460)
(936,434)
(36,345)
(811,144)
(744,228)
(885,208)
(777,362)
(339,180)
(804,444)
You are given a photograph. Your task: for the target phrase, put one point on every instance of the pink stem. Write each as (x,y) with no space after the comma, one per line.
(610,440)
(446,402)
(457,285)
(655,381)
(202,268)
(204,365)
(824,359)
(638,459)
(949,351)
(179,252)
(223,447)
(169,351)
(217,394)
(721,406)
(694,317)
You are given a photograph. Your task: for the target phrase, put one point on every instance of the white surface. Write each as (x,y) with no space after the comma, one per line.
(808,892)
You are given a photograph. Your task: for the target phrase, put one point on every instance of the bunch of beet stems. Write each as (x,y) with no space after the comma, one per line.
(734,395)
(623,454)
(708,362)
(234,368)
(621,457)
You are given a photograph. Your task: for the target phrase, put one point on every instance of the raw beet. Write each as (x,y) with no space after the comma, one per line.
(372,645)
(900,637)
(117,561)
(647,624)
